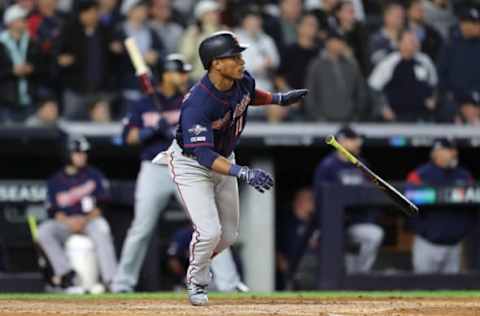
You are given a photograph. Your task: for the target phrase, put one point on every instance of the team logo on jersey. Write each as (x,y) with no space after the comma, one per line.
(242,106)
(197,129)
(223,122)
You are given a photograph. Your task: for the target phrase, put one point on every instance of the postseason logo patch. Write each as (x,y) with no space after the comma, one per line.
(197,130)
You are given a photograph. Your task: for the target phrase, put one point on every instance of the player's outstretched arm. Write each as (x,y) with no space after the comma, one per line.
(281,98)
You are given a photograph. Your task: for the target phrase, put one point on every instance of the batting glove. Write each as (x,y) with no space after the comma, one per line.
(289,97)
(257,178)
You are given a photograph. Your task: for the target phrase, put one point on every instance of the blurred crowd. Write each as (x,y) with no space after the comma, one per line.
(407,61)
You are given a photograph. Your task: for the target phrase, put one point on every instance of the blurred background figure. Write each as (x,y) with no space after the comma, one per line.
(344,22)
(46,115)
(150,45)
(109,14)
(261,57)
(99,112)
(430,40)
(20,67)
(439,14)
(294,65)
(85,61)
(207,21)
(290,13)
(459,70)
(337,88)
(439,231)
(385,40)
(152,127)
(290,237)
(75,196)
(406,70)
(44,25)
(169,31)
(362,228)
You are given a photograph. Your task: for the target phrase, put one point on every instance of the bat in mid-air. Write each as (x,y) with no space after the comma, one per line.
(141,69)
(405,204)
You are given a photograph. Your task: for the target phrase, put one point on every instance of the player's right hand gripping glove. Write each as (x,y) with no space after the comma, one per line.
(257,178)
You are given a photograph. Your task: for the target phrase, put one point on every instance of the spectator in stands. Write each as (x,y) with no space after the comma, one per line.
(150,45)
(326,14)
(430,40)
(262,58)
(337,88)
(296,58)
(439,14)
(99,112)
(75,196)
(459,69)
(109,15)
(290,13)
(363,228)
(439,231)
(345,22)
(295,226)
(207,21)
(27,5)
(385,41)
(84,60)
(20,67)
(168,30)
(294,65)
(407,79)
(47,114)
(45,24)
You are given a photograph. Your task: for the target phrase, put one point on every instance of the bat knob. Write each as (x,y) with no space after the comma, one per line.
(330,139)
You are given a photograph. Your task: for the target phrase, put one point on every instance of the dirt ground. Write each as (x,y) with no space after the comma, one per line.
(247,306)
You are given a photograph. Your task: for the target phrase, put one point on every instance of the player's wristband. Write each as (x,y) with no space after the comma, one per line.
(277,98)
(235,170)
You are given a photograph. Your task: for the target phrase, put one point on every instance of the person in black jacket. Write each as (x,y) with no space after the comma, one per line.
(84,60)
(20,67)
(430,40)
(439,232)
(354,32)
(459,69)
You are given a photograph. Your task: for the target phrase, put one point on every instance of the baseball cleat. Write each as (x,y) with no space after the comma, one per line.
(242,287)
(197,294)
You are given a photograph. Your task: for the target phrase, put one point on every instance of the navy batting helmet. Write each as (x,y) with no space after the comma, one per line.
(219,45)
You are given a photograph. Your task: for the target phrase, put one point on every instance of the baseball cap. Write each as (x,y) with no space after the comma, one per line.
(205,6)
(347,132)
(472,97)
(13,13)
(444,143)
(176,62)
(469,14)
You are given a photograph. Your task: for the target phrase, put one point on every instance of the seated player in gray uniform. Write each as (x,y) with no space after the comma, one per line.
(363,229)
(201,158)
(153,129)
(75,194)
(439,231)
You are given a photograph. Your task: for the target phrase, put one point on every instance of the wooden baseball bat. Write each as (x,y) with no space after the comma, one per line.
(141,69)
(402,202)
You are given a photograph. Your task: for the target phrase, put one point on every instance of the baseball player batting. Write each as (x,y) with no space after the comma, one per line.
(201,159)
(152,125)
